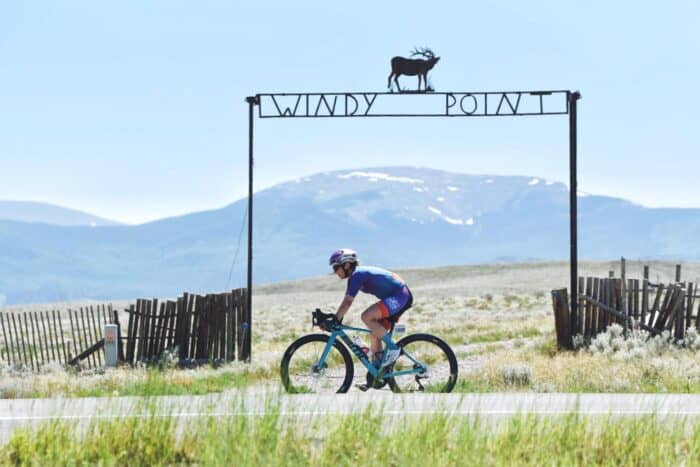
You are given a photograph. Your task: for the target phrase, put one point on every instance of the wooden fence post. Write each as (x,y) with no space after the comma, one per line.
(63,337)
(172,313)
(247,328)
(30,345)
(96,335)
(4,337)
(180,306)
(19,340)
(234,323)
(14,349)
(190,321)
(37,343)
(141,312)
(689,305)
(562,318)
(623,293)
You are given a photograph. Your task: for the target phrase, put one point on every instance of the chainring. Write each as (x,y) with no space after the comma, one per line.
(383,382)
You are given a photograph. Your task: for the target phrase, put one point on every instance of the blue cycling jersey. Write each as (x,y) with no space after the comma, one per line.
(376,281)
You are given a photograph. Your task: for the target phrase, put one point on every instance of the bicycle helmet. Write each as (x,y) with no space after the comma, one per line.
(342,256)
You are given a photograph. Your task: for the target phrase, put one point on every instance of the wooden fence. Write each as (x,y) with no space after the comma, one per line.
(199,328)
(654,307)
(34,339)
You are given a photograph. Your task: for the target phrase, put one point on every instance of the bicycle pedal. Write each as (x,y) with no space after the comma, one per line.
(362,387)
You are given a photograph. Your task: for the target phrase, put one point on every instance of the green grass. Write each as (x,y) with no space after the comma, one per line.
(548,348)
(496,335)
(473,334)
(287,337)
(157,384)
(364,439)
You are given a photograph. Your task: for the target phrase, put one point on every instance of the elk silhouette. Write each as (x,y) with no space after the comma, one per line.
(411,67)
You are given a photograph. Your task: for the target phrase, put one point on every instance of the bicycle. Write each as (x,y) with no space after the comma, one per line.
(318,363)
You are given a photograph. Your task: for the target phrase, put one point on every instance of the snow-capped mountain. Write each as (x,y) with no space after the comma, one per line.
(393,216)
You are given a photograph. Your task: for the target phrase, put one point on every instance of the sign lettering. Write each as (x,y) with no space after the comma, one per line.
(428,104)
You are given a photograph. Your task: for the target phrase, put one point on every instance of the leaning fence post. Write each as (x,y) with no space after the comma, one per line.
(678,273)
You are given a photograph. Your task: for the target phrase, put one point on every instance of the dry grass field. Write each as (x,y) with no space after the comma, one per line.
(497,317)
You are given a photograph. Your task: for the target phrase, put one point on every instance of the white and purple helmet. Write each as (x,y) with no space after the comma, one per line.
(342,256)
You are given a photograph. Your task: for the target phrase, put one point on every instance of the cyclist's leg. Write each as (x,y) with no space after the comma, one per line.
(375,343)
(372,317)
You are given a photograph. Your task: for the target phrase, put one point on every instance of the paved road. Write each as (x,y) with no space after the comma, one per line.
(16,413)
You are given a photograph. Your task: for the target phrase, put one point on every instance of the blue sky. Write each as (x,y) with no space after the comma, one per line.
(135,110)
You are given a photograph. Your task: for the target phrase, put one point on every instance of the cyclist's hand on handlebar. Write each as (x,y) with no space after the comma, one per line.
(330,323)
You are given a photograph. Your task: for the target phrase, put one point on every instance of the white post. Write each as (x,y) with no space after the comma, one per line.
(111,345)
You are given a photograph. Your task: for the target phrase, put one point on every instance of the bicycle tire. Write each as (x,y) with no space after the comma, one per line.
(452,367)
(298,344)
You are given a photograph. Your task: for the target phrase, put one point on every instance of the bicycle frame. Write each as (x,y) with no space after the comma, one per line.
(375,372)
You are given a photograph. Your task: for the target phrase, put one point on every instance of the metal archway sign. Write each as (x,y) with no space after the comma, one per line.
(421,104)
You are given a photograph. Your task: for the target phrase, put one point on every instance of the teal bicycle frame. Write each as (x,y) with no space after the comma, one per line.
(419,368)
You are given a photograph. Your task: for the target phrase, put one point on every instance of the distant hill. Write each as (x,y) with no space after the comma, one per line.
(29,211)
(393,216)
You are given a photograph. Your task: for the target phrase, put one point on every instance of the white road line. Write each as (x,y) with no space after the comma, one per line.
(353,412)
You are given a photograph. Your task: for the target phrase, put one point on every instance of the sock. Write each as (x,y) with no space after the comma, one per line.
(389,343)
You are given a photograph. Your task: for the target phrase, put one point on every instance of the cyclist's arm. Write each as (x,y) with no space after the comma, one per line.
(344,307)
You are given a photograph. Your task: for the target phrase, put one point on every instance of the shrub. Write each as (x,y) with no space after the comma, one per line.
(516,375)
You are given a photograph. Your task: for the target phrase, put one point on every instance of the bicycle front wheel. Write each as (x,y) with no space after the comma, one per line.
(302,372)
(432,361)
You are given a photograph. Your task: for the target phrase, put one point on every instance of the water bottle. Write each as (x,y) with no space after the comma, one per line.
(361,344)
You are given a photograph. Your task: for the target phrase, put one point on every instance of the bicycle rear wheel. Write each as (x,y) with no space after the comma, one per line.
(432,358)
(301,372)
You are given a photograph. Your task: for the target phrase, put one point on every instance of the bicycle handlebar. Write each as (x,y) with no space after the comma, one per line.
(321,319)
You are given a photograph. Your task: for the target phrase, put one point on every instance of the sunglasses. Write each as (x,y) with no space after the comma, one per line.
(336,267)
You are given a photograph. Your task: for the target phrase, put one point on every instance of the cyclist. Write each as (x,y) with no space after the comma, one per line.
(394,298)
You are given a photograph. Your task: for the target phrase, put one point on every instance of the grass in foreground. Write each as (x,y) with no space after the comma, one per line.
(365,439)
